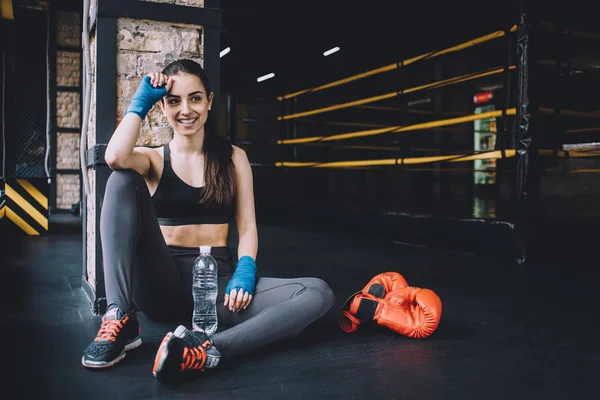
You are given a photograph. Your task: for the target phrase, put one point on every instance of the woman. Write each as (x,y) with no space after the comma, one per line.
(160,205)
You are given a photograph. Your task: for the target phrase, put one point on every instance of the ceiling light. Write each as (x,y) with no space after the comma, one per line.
(225,51)
(331,51)
(265,77)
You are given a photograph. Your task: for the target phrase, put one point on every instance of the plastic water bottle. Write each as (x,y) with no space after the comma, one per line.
(204,291)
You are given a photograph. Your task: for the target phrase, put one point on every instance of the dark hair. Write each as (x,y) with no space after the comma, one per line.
(219,171)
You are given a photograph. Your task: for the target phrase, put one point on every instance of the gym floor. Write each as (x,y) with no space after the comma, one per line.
(507,331)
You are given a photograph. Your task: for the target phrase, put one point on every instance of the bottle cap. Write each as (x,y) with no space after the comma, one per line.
(205,249)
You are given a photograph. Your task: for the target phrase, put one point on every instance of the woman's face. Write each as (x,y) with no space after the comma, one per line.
(187,104)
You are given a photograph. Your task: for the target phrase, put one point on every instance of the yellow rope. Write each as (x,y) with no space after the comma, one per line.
(441,83)
(452,158)
(393,129)
(429,55)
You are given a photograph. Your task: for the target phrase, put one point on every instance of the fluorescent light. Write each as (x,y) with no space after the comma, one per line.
(225,51)
(265,77)
(331,51)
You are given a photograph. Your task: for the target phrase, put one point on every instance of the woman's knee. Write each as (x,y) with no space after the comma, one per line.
(321,291)
(123,178)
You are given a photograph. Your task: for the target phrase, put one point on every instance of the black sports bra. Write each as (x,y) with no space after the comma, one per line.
(177,203)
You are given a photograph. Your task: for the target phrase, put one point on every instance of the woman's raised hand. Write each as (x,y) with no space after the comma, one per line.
(151,89)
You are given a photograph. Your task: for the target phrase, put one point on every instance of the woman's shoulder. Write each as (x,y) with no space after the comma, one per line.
(238,153)
(239,157)
(237,150)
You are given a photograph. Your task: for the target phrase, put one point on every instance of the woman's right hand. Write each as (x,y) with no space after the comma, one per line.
(121,152)
(151,89)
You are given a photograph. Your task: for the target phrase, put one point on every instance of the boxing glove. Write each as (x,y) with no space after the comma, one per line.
(410,311)
(353,314)
(384,283)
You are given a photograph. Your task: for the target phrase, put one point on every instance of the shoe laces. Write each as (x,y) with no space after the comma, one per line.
(195,357)
(110,329)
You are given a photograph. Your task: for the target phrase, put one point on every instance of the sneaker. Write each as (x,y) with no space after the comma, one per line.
(184,350)
(118,334)
(195,339)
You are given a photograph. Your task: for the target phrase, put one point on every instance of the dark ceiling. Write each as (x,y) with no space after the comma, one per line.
(289,37)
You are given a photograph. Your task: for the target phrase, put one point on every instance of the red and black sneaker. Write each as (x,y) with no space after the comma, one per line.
(184,350)
(118,334)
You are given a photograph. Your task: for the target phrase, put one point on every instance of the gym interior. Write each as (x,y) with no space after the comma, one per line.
(456,146)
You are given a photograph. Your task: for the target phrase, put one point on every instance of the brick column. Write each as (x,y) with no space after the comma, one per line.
(128,39)
(68,107)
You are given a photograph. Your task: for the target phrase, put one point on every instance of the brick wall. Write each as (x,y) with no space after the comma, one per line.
(68,29)
(67,110)
(68,185)
(68,68)
(68,106)
(68,155)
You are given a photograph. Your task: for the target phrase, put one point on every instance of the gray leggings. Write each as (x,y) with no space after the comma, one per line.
(142,273)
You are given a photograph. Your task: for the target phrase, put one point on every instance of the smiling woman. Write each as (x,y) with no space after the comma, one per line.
(186,112)
(160,206)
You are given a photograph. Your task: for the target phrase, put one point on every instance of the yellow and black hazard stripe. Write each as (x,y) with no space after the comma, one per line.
(25,203)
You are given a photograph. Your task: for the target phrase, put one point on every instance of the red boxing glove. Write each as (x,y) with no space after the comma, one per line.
(384,283)
(377,288)
(410,311)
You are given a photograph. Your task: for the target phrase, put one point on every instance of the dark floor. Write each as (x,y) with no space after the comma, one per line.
(507,331)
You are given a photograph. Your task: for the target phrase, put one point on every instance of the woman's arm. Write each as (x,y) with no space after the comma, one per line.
(245,212)
(120,151)
(239,290)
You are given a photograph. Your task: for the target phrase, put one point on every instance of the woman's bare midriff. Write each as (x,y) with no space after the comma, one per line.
(183,235)
(196,235)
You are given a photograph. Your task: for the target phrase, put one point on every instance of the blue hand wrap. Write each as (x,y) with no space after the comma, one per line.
(144,98)
(244,276)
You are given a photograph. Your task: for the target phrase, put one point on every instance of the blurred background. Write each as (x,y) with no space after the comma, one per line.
(289,74)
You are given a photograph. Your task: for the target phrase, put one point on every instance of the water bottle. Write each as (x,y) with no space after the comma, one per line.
(204,291)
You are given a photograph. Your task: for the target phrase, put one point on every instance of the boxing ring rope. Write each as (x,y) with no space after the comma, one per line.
(341,123)
(399,161)
(496,154)
(404,63)
(581,130)
(412,110)
(513,114)
(433,85)
(438,123)
(383,147)
(568,151)
(396,129)
(452,158)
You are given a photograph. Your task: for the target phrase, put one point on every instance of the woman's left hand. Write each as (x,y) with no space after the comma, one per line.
(237,300)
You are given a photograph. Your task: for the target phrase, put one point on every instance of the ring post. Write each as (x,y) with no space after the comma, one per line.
(527,177)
